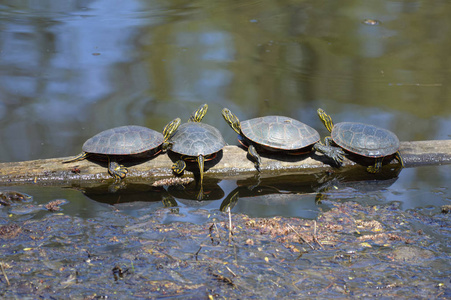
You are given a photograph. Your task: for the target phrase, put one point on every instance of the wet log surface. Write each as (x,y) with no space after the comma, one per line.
(231,163)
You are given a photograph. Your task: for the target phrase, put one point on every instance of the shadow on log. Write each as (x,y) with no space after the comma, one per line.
(232,165)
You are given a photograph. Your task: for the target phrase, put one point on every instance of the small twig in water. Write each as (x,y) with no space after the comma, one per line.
(304,240)
(133,267)
(212,228)
(315,237)
(219,234)
(230,225)
(234,275)
(327,287)
(4,274)
(195,255)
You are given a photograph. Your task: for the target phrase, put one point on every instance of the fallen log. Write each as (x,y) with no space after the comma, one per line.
(231,163)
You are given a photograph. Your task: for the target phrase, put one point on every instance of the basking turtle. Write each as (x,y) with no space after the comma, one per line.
(277,133)
(195,141)
(126,142)
(362,139)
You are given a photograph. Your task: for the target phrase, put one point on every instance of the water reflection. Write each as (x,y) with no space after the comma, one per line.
(356,184)
(300,195)
(113,194)
(190,194)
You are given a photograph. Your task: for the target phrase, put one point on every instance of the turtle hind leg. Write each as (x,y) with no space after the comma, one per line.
(376,167)
(399,158)
(116,170)
(253,155)
(378,164)
(80,156)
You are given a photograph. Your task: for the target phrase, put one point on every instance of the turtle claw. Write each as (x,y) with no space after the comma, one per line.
(257,167)
(252,152)
(335,153)
(117,171)
(178,167)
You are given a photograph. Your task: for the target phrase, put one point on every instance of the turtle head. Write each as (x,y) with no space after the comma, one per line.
(233,121)
(326,119)
(199,114)
(171,128)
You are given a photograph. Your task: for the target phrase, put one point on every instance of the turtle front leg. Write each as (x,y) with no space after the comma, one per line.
(178,167)
(332,152)
(252,152)
(116,170)
(328,141)
(377,166)
(201,162)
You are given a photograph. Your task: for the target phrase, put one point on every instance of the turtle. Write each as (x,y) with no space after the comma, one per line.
(196,141)
(277,134)
(362,139)
(126,142)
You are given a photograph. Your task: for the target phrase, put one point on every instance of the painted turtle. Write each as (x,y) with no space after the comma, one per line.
(126,142)
(362,139)
(195,141)
(277,133)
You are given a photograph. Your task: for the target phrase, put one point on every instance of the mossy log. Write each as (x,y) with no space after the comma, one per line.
(231,163)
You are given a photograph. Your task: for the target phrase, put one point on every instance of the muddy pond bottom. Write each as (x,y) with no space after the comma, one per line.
(350,250)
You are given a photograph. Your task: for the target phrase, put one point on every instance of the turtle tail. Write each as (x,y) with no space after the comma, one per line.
(80,156)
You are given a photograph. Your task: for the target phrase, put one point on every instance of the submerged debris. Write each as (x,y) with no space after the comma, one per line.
(10,231)
(55,204)
(224,279)
(173,181)
(150,257)
(371,22)
(118,272)
(446,209)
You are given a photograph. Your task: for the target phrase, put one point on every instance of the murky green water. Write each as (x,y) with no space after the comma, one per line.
(70,69)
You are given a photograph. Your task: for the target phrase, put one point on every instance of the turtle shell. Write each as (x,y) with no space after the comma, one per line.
(278,132)
(366,140)
(124,140)
(194,139)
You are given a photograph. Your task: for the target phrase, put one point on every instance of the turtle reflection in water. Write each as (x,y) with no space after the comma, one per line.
(362,139)
(196,141)
(126,142)
(11,197)
(278,134)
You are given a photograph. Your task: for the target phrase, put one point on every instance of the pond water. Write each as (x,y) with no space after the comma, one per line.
(70,69)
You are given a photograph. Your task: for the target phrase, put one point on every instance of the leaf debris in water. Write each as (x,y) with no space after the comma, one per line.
(55,204)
